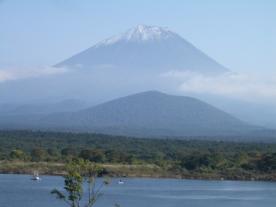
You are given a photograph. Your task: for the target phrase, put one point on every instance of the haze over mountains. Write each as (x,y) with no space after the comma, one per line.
(137,60)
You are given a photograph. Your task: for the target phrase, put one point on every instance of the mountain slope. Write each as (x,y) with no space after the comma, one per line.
(150,114)
(145,48)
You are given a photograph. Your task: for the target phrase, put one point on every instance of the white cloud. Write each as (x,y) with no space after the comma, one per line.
(12,73)
(244,86)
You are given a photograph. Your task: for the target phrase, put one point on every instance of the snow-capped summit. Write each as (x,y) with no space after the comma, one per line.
(140,33)
(145,49)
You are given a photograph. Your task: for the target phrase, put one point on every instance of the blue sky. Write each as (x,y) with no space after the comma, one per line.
(240,34)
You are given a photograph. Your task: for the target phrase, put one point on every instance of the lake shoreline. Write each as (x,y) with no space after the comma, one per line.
(129,171)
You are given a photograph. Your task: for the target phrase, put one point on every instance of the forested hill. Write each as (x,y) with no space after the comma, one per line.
(150,114)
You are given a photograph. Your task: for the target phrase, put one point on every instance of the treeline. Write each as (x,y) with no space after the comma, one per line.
(183,157)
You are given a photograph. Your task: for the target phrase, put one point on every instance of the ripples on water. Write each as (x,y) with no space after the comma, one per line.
(20,191)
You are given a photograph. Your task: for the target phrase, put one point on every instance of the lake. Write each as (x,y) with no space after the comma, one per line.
(21,191)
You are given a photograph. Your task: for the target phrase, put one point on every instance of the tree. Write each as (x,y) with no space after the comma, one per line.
(17,154)
(38,154)
(267,162)
(78,172)
(93,155)
(69,151)
(195,161)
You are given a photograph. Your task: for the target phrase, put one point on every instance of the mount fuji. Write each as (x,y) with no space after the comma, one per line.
(145,49)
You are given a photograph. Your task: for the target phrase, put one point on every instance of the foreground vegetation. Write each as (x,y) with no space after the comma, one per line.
(78,173)
(25,151)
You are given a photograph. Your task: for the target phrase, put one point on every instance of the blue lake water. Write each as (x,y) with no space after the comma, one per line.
(20,191)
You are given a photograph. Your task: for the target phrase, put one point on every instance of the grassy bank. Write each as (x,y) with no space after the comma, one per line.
(113,170)
(125,170)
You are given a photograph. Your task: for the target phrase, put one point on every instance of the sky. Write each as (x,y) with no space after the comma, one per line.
(240,34)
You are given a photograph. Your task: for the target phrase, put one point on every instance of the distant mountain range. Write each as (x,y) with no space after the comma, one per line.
(137,60)
(149,114)
(147,49)
(21,116)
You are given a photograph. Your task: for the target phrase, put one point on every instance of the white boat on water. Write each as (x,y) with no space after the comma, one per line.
(120,182)
(36,176)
